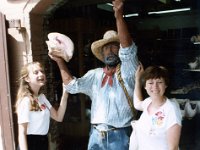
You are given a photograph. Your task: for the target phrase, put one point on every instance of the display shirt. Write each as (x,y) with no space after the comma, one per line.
(152,129)
(38,121)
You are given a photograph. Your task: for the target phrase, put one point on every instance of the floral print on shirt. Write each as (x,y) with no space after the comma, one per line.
(158,118)
(157,121)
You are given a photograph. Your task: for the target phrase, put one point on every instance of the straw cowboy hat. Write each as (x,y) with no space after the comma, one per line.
(108,37)
(60,45)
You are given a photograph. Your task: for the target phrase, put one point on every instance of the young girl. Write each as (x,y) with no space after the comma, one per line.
(159,126)
(34,110)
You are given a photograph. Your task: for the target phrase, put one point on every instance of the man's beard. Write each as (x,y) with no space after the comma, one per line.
(112,60)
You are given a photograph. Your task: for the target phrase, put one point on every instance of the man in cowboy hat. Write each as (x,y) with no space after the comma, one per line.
(111,113)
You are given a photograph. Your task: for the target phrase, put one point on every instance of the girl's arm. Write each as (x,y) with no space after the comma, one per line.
(22,137)
(58,115)
(173,137)
(137,96)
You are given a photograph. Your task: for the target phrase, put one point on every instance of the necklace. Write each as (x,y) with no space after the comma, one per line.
(154,107)
(158,105)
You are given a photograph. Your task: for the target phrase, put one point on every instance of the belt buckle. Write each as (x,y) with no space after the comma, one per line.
(102,127)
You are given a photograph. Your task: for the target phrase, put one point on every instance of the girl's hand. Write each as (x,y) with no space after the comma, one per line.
(55,58)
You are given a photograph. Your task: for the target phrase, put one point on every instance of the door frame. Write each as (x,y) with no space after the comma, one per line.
(6,120)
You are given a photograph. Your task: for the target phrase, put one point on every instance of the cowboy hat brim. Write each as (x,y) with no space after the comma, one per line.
(97,46)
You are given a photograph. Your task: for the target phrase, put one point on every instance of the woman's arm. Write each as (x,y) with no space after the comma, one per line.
(22,136)
(137,96)
(173,137)
(58,115)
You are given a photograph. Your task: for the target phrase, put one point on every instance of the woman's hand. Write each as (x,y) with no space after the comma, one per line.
(139,72)
(137,96)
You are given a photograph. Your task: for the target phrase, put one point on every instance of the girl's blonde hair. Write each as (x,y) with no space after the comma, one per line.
(24,89)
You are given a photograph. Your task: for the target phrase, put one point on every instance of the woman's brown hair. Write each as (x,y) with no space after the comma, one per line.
(155,72)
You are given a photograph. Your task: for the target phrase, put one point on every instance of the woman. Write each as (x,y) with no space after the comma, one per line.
(34,110)
(159,126)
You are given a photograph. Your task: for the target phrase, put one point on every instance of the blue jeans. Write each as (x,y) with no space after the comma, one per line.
(111,139)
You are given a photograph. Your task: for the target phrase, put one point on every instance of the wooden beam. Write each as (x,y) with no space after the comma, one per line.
(6,121)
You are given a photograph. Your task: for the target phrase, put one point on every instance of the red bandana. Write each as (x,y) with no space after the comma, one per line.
(109,73)
(42,106)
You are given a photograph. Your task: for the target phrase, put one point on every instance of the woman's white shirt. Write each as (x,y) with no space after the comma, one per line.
(152,129)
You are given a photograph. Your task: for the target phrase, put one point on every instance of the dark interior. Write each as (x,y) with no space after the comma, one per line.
(162,39)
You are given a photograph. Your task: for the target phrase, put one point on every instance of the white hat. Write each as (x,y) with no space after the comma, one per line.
(60,45)
(108,37)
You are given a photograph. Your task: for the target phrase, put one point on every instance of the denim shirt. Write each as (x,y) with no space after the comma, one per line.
(109,104)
